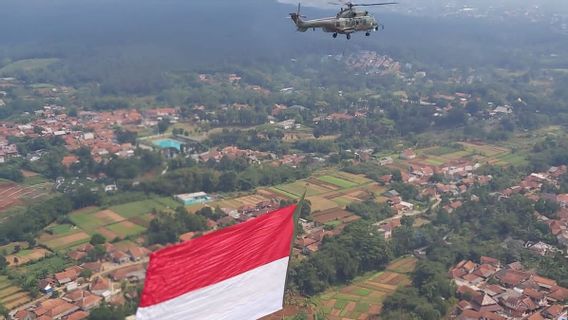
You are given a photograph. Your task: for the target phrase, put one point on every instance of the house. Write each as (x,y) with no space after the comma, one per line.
(193,198)
(562,200)
(111,188)
(46,285)
(386,161)
(132,273)
(556,312)
(94,267)
(89,302)
(78,315)
(100,286)
(287,124)
(119,257)
(138,253)
(24,315)
(75,295)
(407,154)
(490,261)
(55,309)
(484,303)
(476,315)
(66,276)
(520,306)
(512,278)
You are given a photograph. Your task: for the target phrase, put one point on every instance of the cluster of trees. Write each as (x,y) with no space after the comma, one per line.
(24,226)
(11,173)
(370,209)
(357,250)
(254,139)
(429,298)
(167,227)
(196,179)
(126,136)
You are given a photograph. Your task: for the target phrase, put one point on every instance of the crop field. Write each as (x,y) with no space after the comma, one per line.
(249,200)
(344,184)
(11,295)
(297,189)
(67,240)
(320,203)
(331,215)
(472,151)
(363,298)
(25,256)
(90,220)
(12,194)
(356,178)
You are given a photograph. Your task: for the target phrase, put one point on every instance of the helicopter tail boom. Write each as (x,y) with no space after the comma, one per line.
(297,18)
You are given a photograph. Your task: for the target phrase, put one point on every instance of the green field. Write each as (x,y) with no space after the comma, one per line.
(124,230)
(86,219)
(338,182)
(440,151)
(61,229)
(138,208)
(284,193)
(357,179)
(27,65)
(297,188)
(52,264)
(31,181)
(514,159)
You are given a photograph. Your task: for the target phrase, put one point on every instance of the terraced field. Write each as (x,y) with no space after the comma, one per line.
(363,298)
(11,295)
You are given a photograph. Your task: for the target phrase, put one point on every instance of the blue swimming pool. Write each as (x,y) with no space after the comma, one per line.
(168,143)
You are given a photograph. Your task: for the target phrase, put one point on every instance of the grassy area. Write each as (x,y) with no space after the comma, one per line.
(440,151)
(297,188)
(23,253)
(138,208)
(64,242)
(60,229)
(284,193)
(86,220)
(52,264)
(125,229)
(338,182)
(26,65)
(514,159)
(31,181)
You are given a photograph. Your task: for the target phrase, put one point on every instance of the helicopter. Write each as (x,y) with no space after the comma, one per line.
(347,21)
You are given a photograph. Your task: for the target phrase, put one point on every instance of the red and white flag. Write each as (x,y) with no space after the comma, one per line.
(235,273)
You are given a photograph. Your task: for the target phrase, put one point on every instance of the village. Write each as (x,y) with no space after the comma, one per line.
(492,290)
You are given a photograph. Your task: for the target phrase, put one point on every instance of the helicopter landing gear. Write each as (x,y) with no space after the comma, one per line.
(334,35)
(348,36)
(367,34)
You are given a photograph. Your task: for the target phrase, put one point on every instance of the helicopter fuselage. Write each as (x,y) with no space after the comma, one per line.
(346,22)
(340,25)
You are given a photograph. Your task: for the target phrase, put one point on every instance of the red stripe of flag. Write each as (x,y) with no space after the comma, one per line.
(218,256)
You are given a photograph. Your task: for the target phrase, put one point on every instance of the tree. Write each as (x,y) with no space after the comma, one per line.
(306,209)
(97,238)
(105,312)
(3,263)
(163,125)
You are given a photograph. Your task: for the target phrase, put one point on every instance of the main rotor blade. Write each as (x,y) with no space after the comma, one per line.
(372,4)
